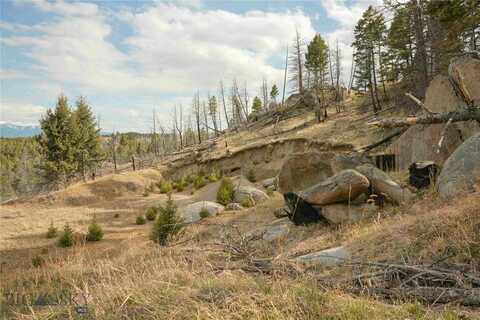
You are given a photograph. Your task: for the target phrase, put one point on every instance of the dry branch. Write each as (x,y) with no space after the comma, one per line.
(455,116)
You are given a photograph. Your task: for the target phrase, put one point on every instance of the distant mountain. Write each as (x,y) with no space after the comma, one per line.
(10,130)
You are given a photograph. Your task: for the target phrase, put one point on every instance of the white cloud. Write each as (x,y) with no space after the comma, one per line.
(26,114)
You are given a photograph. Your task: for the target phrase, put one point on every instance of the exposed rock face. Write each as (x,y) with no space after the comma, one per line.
(465,71)
(277,230)
(462,169)
(382,183)
(234,206)
(242,193)
(344,161)
(191,213)
(328,257)
(344,186)
(343,213)
(281,212)
(302,170)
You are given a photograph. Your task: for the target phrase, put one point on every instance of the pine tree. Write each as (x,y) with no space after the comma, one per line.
(257,105)
(88,149)
(317,60)
(274,93)
(58,142)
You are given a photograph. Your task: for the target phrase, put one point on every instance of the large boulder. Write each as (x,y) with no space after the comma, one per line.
(461,170)
(303,170)
(191,213)
(244,193)
(269,183)
(382,183)
(344,186)
(465,72)
(351,160)
(329,257)
(341,213)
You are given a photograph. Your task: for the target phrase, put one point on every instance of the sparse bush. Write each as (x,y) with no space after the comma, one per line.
(95,231)
(199,182)
(188,179)
(180,185)
(146,192)
(166,186)
(66,238)
(38,261)
(44,251)
(225,192)
(116,215)
(251,174)
(151,213)
(247,202)
(140,220)
(167,224)
(214,175)
(52,231)
(204,213)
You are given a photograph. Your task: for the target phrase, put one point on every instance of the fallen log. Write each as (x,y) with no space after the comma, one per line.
(454,116)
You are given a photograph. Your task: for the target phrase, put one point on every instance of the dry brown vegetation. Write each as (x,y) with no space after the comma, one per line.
(127,276)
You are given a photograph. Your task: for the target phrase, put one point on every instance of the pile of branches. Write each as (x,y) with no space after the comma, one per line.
(428,284)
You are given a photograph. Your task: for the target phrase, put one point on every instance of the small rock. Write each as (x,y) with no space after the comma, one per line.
(328,257)
(242,193)
(271,182)
(277,230)
(191,213)
(234,206)
(281,212)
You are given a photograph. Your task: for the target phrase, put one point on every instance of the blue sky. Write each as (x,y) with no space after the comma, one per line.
(129,57)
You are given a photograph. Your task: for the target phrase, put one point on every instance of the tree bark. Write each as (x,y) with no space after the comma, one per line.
(455,116)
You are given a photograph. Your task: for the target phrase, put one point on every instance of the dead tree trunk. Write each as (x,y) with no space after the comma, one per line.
(454,116)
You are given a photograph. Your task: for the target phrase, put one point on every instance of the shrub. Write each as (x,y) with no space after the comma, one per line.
(180,185)
(247,203)
(151,213)
(146,192)
(140,220)
(167,224)
(95,231)
(52,231)
(214,175)
(38,261)
(166,186)
(188,179)
(225,192)
(204,213)
(116,215)
(199,182)
(251,175)
(66,238)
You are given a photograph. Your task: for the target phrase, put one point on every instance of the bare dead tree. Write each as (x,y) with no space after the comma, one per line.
(205,117)
(196,113)
(285,77)
(296,65)
(264,90)
(178,123)
(222,95)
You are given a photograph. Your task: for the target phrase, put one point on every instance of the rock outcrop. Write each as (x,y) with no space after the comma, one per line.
(341,213)
(302,170)
(329,257)
(244,193)
(465,72)
(344,186)
(461,170)
(382,183)
(191,213)
(234,206)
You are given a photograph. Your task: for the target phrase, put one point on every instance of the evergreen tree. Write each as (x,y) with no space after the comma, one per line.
(316,59)
(274,93)
(88,149)
(257,105)
(57,142)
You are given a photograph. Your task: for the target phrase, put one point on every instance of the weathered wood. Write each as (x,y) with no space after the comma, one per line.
(455,116)
(379,143)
